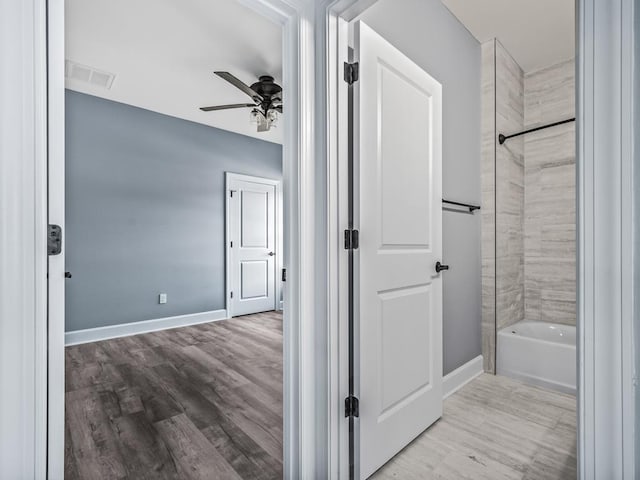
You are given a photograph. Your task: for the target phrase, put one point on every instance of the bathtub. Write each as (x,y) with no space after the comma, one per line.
(540,353)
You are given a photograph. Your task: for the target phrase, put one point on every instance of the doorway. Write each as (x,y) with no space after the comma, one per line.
(290,333)
(155,366)
(463,346)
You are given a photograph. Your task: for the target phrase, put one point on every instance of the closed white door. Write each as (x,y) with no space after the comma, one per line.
(252,244)
(397,185)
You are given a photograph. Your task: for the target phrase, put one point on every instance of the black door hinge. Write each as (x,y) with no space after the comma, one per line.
(231,294)
(284,274)
(351,72)
(351,239)
(351,406)
(54,240)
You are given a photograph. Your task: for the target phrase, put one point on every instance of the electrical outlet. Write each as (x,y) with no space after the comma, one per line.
(162,298)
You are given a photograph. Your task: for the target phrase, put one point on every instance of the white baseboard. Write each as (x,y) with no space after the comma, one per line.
(457,379)
(114,331)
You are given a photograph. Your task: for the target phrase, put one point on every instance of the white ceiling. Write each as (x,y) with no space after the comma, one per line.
(164,52)
(537,33)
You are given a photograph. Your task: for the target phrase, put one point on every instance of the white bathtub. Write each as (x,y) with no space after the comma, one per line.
(540,353)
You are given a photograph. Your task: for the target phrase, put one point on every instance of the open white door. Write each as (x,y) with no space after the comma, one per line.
(397,190)
(251,230)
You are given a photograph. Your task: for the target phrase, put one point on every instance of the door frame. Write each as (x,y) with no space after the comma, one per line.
(606,256)
(607,253)
(333,32)
(314,409)
(301,421)
(228,177)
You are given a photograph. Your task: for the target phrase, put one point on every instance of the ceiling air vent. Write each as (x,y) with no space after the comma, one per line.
(86,74)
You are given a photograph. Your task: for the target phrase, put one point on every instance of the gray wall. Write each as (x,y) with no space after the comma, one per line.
(431,36)
(145,211)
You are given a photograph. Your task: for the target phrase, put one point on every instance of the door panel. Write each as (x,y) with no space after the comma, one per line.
(254,279)
(405,365)
(252,233)
(254,213)
(404,176)
(397,185)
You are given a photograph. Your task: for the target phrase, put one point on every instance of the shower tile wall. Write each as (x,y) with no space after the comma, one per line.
(487,176)
(550,206)
(528,196)
(509,191)
(502,165)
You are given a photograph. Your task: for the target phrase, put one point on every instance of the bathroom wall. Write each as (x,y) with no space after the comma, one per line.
(502,180)
(430,35)
(550,196)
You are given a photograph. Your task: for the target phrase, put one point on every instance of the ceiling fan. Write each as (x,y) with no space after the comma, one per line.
(266,96)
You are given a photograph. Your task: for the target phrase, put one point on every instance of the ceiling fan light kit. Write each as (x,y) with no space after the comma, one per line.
(266,95)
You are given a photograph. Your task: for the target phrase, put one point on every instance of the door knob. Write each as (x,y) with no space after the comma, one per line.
(440,267)
(271,254)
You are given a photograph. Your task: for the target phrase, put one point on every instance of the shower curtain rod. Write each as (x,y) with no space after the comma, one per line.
(502,138)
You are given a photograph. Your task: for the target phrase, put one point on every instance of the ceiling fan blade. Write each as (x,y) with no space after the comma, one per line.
(236,82)
(227,107)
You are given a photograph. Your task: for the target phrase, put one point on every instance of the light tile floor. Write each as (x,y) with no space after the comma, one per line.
(494,428)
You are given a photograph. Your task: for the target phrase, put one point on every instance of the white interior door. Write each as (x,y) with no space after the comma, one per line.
(397,187)
(252,244)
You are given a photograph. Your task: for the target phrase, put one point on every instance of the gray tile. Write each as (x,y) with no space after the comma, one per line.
(550,251)
(494,428)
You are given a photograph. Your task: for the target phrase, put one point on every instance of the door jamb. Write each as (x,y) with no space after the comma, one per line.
(333,18)
(589,18)
(606,256)
(301,354)
(229,176)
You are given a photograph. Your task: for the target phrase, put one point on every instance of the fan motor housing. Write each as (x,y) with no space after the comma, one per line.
(266,87)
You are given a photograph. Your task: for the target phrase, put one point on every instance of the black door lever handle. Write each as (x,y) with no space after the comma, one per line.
(440,267)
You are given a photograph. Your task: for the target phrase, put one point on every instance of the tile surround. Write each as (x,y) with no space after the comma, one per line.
(487,212)
(550,190)
(528,196)
(502,195)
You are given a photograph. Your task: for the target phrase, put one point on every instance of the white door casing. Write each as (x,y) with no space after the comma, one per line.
(251,244)
(397,187)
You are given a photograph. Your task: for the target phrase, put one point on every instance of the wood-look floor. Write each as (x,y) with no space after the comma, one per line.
(494,428)
(200,402)
(205,402)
